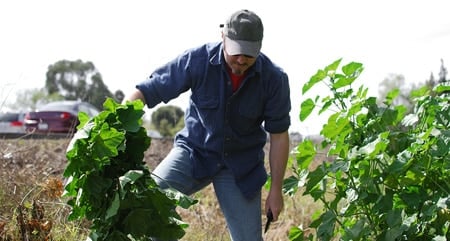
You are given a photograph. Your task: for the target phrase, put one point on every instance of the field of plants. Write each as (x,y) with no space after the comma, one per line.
(31,208)
(381,172)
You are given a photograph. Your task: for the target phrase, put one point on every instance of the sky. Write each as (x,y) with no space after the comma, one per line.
(127,40)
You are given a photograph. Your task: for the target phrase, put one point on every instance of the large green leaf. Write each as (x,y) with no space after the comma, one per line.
(114,207)
(182,200)
(296,234)
(290,185)
(97,184)
(319,76)
(335,126)
(331,68)
(131,117)
(306,108)
(391,95)
(130,176)
(352,69)
(315,185)
(106,143)
(305,154)
(442,88)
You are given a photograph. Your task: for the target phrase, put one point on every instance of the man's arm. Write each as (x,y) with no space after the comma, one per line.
(135,95)
(278,156)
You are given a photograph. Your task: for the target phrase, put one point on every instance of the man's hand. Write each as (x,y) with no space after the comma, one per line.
(135,95)
(278,156)
(274,203)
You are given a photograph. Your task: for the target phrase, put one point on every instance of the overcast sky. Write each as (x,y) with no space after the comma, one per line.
(127,40)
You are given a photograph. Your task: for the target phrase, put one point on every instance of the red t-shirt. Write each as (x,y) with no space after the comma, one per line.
(236,80)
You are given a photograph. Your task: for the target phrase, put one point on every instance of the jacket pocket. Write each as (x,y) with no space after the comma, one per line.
(249,116)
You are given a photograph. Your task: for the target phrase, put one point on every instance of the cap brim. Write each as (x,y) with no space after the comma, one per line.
(242,47)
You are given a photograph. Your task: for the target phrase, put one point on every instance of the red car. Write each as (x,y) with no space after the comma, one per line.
(57,117)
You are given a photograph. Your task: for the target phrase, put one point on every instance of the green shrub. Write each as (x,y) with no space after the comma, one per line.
(389,177)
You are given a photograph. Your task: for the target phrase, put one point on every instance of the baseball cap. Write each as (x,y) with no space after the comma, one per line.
(243,33)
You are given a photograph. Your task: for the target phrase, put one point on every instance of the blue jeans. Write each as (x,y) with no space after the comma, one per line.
(243,216)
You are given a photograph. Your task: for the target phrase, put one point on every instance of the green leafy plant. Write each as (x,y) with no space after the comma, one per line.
(389,177)
(109,183)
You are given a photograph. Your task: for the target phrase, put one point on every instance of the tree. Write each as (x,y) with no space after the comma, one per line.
(77,80)
(432,82)
(168,120)
(443,76)
(443,73)
(30,99)
(119,96)
(392,82)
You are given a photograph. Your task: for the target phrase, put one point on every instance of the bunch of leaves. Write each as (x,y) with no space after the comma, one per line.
(109,183)
(389,177)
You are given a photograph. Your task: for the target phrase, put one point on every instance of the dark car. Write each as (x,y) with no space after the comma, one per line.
(12,122)
(58,117)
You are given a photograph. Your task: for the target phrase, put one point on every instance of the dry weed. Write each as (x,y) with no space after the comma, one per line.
(31,182)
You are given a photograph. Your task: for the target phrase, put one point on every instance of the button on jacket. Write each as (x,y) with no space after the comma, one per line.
(224,129)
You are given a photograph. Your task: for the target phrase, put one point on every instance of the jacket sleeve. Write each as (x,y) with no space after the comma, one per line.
(167,82)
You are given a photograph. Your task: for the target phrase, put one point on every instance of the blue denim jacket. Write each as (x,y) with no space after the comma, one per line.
(222,128)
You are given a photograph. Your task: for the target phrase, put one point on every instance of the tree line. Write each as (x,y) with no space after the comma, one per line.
(81,80)
(68,80)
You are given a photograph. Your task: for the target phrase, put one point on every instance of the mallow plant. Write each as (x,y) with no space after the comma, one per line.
(387,173)
(109,183)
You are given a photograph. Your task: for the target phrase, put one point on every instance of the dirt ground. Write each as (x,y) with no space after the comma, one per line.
(47,156)
(27,160)
(26,165)
(32,169)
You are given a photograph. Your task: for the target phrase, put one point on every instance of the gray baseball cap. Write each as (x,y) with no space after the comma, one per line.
(243,33)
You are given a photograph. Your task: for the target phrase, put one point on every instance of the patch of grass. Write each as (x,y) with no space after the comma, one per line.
(205,219)
(41,215)
(31,171)
(31,185)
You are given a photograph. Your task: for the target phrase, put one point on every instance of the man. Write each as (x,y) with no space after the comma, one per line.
(237,95)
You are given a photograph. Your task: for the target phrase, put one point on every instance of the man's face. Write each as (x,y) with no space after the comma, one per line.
(238,63)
